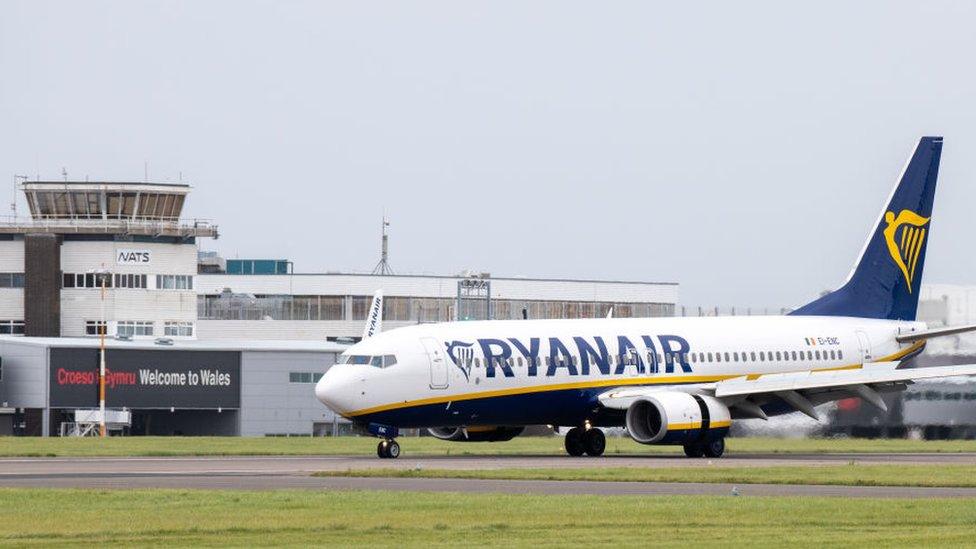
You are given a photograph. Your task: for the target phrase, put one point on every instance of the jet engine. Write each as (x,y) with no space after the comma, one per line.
(672,417)
(488,433)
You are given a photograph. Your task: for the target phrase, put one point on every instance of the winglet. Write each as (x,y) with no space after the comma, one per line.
(374,320)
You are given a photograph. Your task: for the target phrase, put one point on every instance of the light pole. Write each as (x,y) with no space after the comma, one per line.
(102,275)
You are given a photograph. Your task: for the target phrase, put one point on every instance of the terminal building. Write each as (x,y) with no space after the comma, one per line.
(199,345)
(286,305)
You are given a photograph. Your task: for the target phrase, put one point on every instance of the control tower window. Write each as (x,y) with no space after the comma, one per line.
(94,327)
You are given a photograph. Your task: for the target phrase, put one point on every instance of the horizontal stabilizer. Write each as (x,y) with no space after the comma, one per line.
(938,332)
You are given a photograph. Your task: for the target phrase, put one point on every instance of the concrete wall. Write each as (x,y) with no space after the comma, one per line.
(12,261)
(270,403)
(25,377)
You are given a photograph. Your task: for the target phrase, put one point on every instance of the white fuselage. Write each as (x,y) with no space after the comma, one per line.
(550,371)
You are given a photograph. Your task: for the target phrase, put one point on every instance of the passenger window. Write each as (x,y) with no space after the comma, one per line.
(832,355)
(726,357)
(752,355)
(817,354)
(709,357)
(718,357)
(762,356)
(840,354)
(477,363)
(793,355)
(519,362)
(735,357)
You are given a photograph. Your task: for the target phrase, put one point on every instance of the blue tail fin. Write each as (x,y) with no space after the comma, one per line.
(885,280)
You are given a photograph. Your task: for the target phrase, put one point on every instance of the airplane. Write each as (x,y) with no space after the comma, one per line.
(676,380)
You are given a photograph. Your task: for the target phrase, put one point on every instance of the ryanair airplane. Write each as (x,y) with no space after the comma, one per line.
(675,381)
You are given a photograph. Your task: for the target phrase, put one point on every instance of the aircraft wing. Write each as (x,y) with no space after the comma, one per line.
(802,390)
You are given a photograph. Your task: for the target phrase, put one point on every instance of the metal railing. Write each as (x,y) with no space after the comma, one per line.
(184,228)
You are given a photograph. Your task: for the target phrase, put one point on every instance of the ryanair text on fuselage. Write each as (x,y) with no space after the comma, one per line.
(594,355)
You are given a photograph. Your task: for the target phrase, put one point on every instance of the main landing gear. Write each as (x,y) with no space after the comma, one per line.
(712,449)
(589,441)
(388,449)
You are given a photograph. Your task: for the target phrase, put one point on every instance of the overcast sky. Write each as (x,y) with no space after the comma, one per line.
(740,149)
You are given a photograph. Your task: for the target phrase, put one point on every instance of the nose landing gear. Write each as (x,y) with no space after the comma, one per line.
(388,449)
(590,441)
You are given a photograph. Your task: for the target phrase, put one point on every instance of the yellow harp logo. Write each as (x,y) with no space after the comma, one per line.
(906,245)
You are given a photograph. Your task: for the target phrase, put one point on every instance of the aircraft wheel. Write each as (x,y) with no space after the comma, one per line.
(594,442)
(381,449)
(694,450)
(574,442)
(393,449)
(715,448)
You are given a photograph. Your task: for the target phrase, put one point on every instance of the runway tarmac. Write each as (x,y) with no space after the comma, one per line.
(293,472)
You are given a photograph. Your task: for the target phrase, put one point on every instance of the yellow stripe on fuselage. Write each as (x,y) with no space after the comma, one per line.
(665,380)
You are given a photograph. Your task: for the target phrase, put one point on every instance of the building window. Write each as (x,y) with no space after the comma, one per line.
(89,280)
(129,328)
(15,327)
(94,327)
(130,280)
(11,280)
(301,377)
(180,329)
(174,282)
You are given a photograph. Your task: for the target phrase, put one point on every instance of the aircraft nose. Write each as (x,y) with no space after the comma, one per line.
(331,390)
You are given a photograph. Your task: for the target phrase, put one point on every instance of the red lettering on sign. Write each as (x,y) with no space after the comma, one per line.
(82,377)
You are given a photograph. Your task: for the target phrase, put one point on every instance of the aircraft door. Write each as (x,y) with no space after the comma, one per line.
(438,364)
(865,344)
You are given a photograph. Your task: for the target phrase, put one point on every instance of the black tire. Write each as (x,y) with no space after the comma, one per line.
(594,442)
(381,450)
(393,449)
(694,450)
(715,448)
(574,442)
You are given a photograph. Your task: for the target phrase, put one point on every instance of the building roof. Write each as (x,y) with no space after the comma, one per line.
(180,344)
(63,184)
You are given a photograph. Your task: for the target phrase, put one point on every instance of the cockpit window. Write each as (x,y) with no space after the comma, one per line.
(379,361)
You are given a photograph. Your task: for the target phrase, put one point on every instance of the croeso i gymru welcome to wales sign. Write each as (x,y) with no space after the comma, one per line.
(137,378)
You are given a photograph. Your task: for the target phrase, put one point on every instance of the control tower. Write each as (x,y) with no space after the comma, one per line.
(129,237)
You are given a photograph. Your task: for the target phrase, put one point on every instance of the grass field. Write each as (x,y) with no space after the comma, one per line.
(176,446)
(851,474)
(178,518)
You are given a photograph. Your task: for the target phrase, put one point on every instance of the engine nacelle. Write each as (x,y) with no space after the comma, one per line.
(672,417)
(490,433)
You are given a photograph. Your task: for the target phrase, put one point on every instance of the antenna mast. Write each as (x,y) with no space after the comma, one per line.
(383,267)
